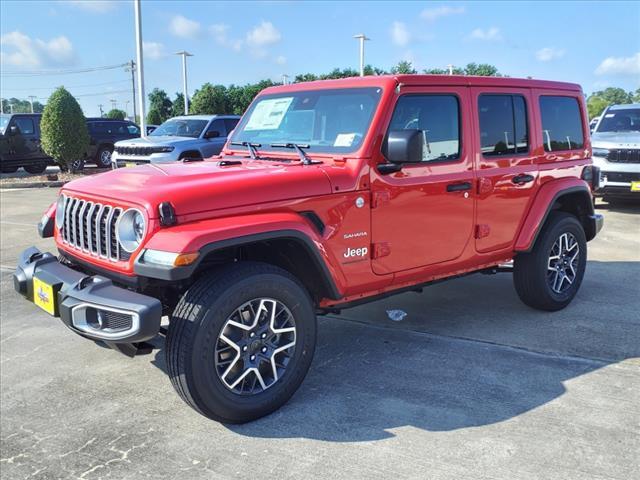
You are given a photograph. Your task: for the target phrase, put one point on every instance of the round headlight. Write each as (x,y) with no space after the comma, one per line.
(62,200)
(130,230)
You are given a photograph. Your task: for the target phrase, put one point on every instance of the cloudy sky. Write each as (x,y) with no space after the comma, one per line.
(596,44)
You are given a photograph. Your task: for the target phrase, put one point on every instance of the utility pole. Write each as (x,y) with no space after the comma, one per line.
(450,67)
(126,108)
(362,37)
(31,97)
(101,112)
(184,55)
(132,68)
(1,105)
(140,69)
(285,79)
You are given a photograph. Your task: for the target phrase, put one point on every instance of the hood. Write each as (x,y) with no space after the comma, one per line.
(154,140)
(615,140)
(204,186)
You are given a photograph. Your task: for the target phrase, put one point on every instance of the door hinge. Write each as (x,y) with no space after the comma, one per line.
(379,250)
(380,198)
(482,230)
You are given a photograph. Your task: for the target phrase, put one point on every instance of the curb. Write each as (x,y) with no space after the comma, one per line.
(8,186)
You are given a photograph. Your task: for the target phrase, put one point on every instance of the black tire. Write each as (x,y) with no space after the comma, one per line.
(197,322)
(9,169)
(103,156)
(35,168)
(530,270)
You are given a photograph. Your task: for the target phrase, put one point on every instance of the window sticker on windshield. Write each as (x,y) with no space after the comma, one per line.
(268,114)
(610,115)
(344,139)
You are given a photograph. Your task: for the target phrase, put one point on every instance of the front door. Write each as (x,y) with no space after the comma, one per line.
(24,143)
(423,214)
(507,174)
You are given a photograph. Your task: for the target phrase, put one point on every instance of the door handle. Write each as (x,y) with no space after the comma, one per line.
(458,187)
(522,179)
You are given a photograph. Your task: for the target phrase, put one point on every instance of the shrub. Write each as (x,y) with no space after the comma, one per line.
(64,129)
(116,114)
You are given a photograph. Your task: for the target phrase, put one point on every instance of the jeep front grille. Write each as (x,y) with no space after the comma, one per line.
(141,151)
(91,228)
(623,155)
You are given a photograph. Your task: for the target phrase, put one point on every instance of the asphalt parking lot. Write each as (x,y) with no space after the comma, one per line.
(471,384)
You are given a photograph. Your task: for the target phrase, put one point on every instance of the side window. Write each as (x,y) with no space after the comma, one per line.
(438,117)
(119,128)
(217,126)
(561,123)
(133,129)
(25,125)
(230,124)
(503,125)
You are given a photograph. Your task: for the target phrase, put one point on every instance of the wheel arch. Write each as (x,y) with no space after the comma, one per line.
(572,196)
(191,153)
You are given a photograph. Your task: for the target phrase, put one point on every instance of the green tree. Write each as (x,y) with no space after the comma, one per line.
(598,101)
(371,70)
(178,105)
(64,129)
(338,73)
(209,100)
(116,114)
(636,96)
(403,67)
(595,106)
(305,77)
(482,70)
(20,106)
(154,117)
(158,100)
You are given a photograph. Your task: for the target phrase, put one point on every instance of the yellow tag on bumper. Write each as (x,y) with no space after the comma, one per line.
(635,186)
(130,164)
(43,296)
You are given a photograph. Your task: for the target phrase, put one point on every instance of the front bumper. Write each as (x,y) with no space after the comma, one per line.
(617,178)
(91,306)
(119,160)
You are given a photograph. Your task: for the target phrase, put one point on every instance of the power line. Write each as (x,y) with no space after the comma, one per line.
(39,73)
(110,92)
(67,87)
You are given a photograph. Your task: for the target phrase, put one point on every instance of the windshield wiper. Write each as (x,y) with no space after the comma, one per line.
(251,147)
(298,147)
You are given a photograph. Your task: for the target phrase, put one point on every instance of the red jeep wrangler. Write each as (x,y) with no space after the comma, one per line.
(327,194)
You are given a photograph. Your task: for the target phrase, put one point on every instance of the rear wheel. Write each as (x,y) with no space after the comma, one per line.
(548,277)
(9,169)
(240,342)
(35,168)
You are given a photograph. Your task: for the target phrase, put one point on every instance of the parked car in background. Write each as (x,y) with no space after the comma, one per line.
(20,143)
(593,123)
(151,128)
(187,137)
(616,151)
(104,133)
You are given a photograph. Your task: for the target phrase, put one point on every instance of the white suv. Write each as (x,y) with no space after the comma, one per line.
(616,151)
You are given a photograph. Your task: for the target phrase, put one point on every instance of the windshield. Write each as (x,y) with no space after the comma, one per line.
(4,121)
(623,120)
(180,127)
(325,120)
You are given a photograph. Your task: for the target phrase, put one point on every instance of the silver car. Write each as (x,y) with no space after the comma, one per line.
(616,151)
(193,137)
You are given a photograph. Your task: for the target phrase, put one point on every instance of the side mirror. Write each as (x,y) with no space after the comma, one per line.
(404,146)
(212,134)
(14,130)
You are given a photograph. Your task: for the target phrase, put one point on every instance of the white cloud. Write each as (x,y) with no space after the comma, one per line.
(263,35)
(153,50)
(93,6)
(432,14)
(490,34)
(400,36)
(183,27)
(549,53)
(220,31)
(281,59)
(27,52)
(620,65)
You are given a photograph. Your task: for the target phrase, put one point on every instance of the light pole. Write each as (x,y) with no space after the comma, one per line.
(114,103)
(362,37)
(184,55)
(140,69)
(285,79)
(450,67)
(31,97)
(101,112)
(126,108)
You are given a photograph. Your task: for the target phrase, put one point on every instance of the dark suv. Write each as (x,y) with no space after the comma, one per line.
(104,133)
(20,143)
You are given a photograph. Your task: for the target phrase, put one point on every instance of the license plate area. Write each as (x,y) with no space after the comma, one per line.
(45,293)
(635,186)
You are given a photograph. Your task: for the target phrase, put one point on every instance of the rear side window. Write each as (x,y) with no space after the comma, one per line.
(133,129)
(230,124)
(438,117)
(217,126)
(503,125)
(25,125)
(561,123)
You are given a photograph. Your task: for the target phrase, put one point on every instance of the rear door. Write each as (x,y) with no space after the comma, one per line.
(213,146)
(423,214)
(25,139)
(506,170)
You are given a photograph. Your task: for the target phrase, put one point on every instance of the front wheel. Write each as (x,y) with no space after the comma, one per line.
(103,157)
(240,342)
(35,168)
(549,276)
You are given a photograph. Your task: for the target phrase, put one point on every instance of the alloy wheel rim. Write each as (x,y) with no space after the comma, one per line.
(105,157)
(562,265)
(255,346)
